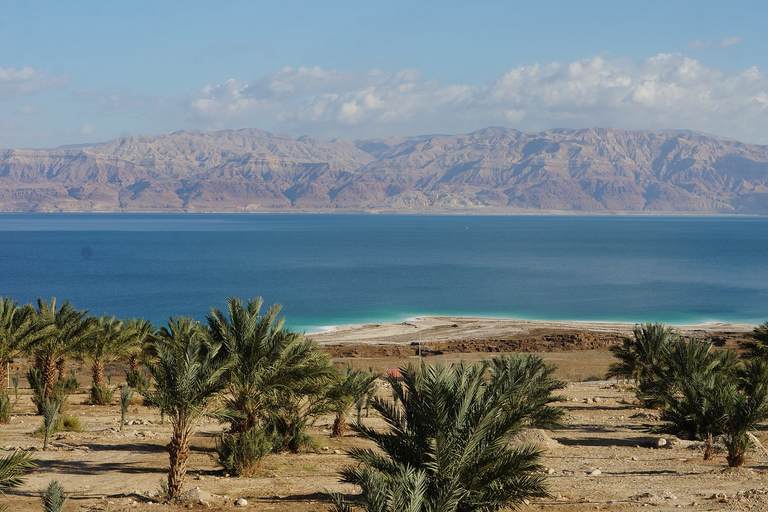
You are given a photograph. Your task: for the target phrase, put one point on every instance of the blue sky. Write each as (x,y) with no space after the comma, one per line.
(80,72)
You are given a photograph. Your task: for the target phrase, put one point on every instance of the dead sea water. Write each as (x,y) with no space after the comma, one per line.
(335,269)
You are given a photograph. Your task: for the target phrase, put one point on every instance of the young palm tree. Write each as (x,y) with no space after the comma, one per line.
(189,375)
(691,394)
(707,395)
(110,342)
(352,386)
(528,384)
(13,467)
(144,335)
(270,363)
(67,329)
(641,357)
(452,428)
(18,330)
(746,405)
(757,346)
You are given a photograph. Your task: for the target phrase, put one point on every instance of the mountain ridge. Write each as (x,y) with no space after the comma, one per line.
(492,170)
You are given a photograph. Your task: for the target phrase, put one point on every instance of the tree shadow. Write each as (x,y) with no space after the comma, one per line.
(643,442)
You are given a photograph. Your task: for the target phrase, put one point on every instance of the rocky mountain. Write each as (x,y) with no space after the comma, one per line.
(491,170)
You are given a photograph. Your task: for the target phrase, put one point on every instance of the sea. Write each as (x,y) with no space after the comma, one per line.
(332,269)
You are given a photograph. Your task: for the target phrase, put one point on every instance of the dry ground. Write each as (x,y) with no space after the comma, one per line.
(603,460)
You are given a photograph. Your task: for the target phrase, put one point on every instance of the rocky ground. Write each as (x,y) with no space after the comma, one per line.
(604,460)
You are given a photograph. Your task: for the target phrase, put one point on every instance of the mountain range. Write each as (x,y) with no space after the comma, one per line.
(494,170)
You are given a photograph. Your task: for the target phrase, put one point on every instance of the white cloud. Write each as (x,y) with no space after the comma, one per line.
(86,129)
(730,41)
(663,91)
(699,44)
(24,81)
(26,110)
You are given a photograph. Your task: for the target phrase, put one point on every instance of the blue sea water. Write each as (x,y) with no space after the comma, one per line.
(336,269)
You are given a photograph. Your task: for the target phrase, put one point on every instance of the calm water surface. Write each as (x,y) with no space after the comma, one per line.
(334,269)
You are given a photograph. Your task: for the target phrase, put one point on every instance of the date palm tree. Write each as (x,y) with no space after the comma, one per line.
(270,363)
(109,342)
(641,357)
(19,329)
(144,335)
(67,329)
(446,425)
(349,389)
(757,346)
(691,390)
(528,385)
(13,467)
(189,375)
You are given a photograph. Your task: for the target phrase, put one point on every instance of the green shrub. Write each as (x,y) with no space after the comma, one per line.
(137,380)
(61,388)
(241,453)
(6,407)
(63,423)
(102,394)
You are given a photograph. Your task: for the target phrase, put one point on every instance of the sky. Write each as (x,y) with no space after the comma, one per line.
(89,71)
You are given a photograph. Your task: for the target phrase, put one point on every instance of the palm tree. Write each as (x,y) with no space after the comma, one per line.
(189,375)
(691,390)
(528,384)
(13,467)
(18,330)
(450,427)
(746,405)
(270,363)
(352,386)
(757,346)
(67,329)
(109,342)
(144,335)
(641,357)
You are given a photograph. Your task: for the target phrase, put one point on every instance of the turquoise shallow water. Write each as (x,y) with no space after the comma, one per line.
(334,269)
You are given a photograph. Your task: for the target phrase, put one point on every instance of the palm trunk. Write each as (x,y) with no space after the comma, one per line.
(61,366)
(4,373)
(97,373)
(709,449)
(736,458)
(133,364)
(339,425)
(49,376)
(178,450)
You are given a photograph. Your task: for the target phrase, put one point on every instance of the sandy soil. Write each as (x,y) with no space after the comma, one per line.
(603,460)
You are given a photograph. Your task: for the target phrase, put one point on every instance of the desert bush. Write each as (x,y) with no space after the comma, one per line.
(102,394)
(6,407)
(137,380)
(242,452)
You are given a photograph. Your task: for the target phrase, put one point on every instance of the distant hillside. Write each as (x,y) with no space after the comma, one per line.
(491,170)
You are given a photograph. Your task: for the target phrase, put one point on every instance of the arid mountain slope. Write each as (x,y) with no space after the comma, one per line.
(492,170)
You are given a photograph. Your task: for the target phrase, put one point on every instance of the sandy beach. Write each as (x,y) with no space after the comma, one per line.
(431,329)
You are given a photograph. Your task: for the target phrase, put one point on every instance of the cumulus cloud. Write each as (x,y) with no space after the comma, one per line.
(663,91)
(24,81)
(86,129)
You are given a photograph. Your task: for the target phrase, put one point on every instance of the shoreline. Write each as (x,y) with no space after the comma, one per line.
(426,329)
